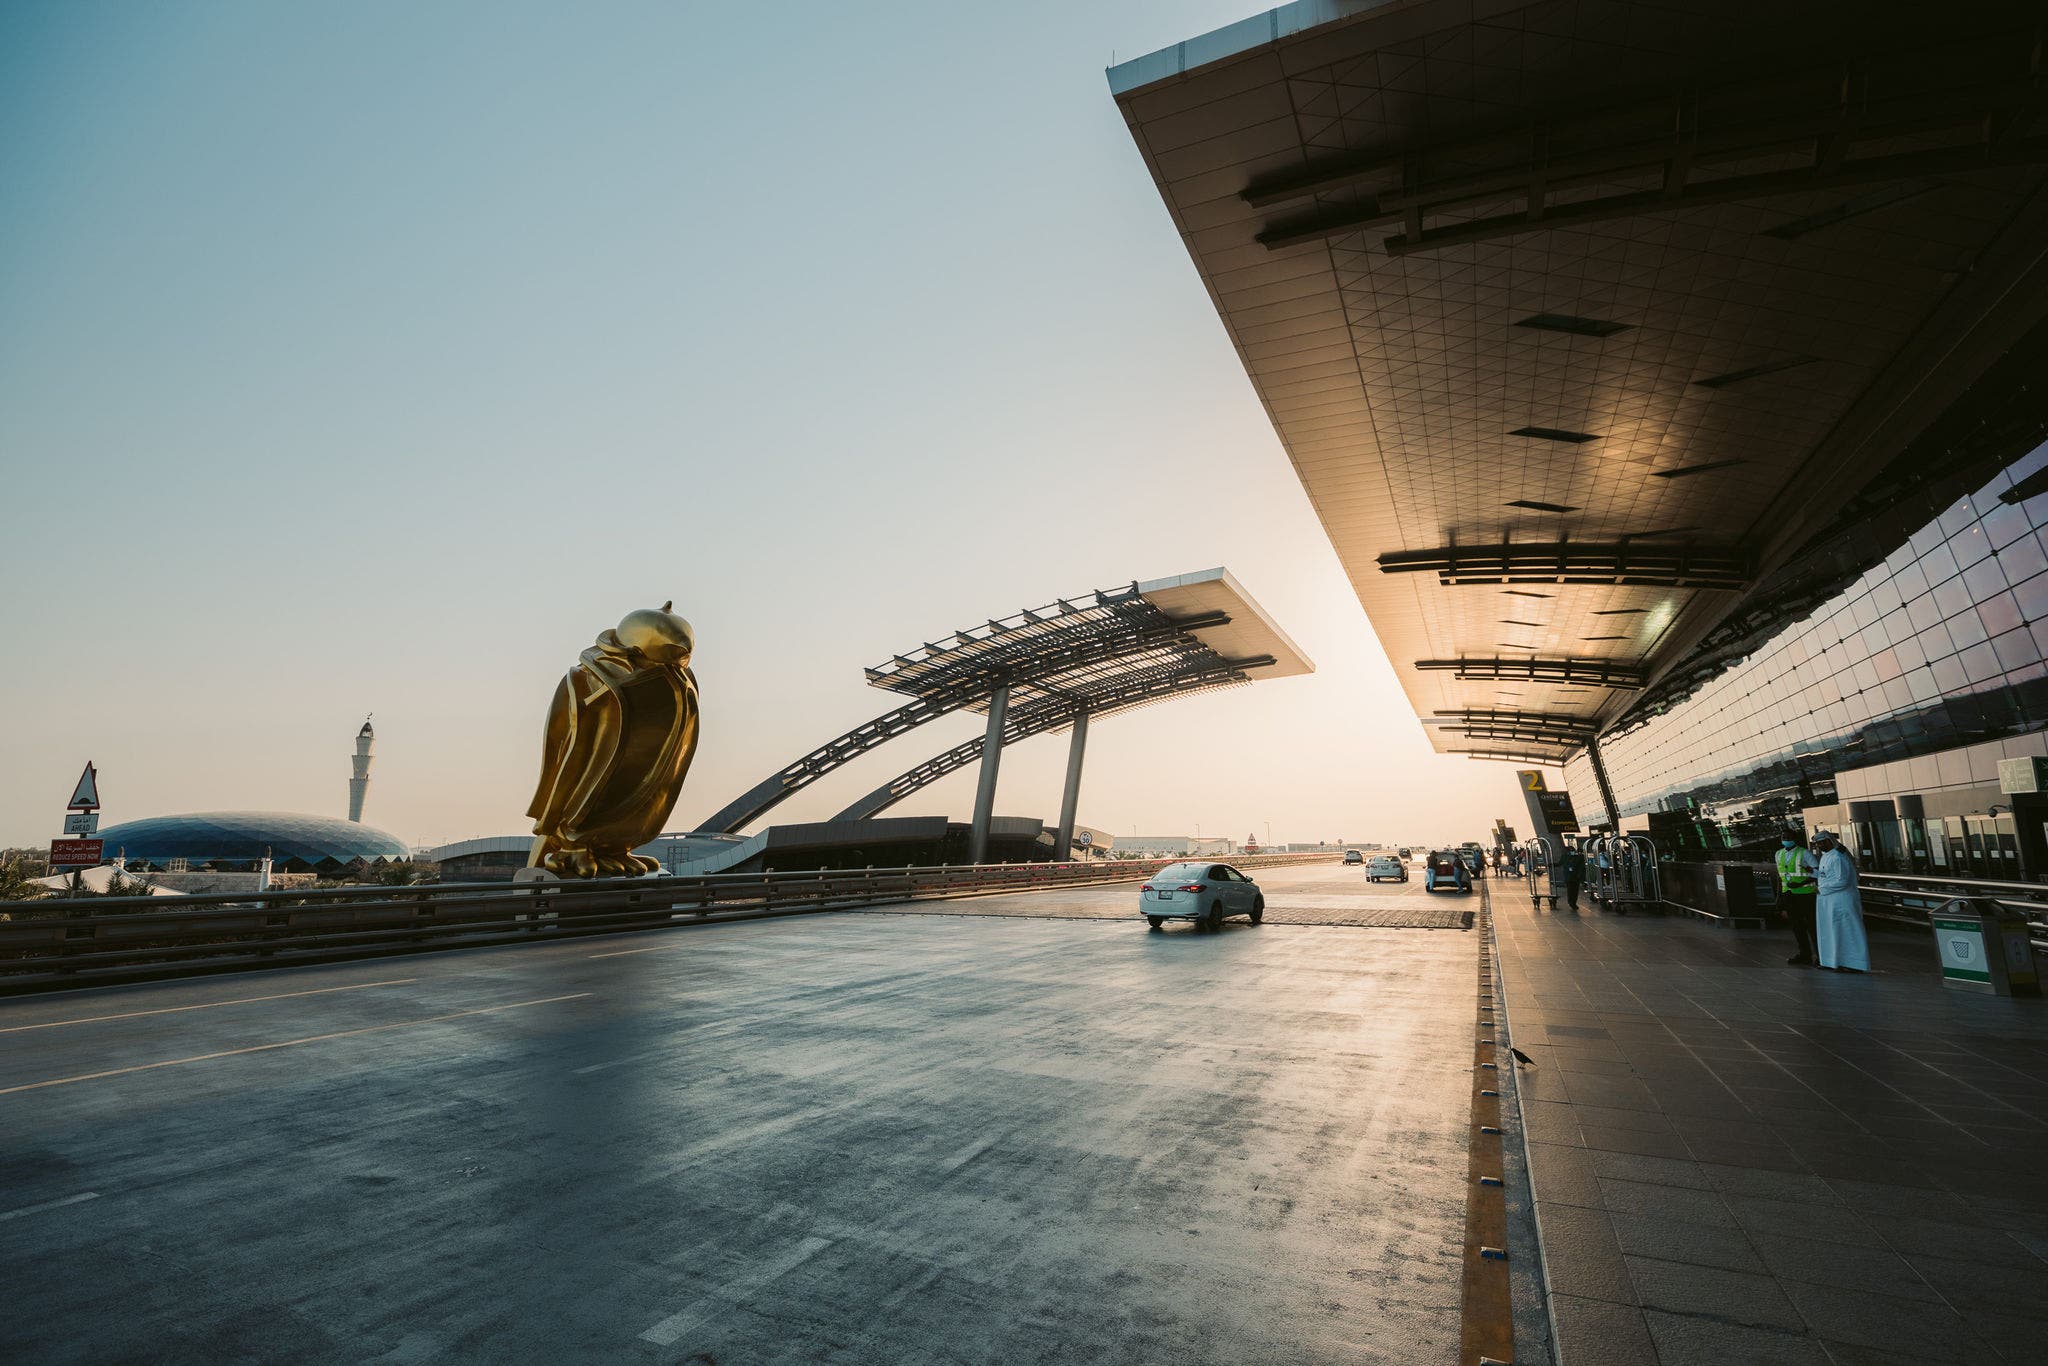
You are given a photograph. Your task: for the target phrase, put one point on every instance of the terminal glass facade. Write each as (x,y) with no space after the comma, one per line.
(1942,645)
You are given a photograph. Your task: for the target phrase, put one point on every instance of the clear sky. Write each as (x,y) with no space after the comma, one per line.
(374,357)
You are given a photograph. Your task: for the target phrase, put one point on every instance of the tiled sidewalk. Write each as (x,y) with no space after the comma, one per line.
(1736,1161)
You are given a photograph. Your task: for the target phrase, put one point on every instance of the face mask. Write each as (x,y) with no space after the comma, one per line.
(1787,843)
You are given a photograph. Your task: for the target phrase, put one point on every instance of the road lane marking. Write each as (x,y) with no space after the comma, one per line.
(48,1204)
(671,1329)
(621,953)
(287,1043)
(208,1005)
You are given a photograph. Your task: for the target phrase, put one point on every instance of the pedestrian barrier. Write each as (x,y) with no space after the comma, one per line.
(63,942)
(1911,899)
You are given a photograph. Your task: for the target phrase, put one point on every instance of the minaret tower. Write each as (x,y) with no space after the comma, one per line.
(359,785)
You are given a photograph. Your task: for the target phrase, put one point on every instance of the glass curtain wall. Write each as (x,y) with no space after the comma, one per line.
(1944,643)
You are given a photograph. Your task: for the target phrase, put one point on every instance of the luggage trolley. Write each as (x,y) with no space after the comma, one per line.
(1538,855)
(1625,872)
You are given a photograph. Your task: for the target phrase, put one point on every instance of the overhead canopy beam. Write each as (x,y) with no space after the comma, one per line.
(1597,673)
(1665,150)
(1619,563)
(1495,716)
(1944,161)
(1508,756)
(1522,726)
(1512,735)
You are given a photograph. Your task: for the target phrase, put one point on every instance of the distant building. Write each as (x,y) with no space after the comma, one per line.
(359,784)
(497,858)
(238,841)
(1173,846)
(101,878)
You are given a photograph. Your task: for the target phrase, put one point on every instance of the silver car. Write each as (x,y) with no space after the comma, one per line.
(1205,893)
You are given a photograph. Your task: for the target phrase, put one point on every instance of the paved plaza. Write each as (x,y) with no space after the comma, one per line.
(847,1138)
(1739,1161)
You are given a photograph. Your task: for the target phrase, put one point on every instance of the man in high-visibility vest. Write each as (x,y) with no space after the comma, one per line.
(1798,880)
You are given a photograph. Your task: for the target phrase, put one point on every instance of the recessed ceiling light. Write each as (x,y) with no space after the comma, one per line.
(1554,434)
(1510,645)
(1506,622)
(1769,367)
(1535,506)
(1620,612)
(1606,637)
(1524,593)
(1578,327)
(1683,470)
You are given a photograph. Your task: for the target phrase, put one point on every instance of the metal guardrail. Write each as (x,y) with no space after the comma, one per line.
(1909,898)
(89,941)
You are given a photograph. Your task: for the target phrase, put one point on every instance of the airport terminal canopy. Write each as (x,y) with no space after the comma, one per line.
(1089,651)
(1601,334)
(1104,652)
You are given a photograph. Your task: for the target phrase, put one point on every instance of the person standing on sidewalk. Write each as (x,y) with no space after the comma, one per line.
(1838,916)
(1798,871)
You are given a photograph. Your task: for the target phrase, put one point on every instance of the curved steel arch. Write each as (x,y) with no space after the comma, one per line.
(1067,650)
(1038,720)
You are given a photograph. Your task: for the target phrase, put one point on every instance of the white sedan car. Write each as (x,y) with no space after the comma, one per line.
(1205,893)
(1385,865)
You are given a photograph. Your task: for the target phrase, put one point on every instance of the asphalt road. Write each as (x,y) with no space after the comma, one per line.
(844,1138)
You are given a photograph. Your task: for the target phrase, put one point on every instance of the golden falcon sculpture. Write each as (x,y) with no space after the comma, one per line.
(621,732)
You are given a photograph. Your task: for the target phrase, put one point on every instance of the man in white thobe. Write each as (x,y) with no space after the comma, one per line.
(1838,913)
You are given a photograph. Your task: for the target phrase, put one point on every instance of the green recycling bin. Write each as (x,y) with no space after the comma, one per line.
(1985,946)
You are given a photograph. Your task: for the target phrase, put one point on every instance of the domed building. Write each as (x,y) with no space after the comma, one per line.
(238,840)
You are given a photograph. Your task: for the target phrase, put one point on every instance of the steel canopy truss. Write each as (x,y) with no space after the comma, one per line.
(1051,714)
(1593,673)
(1526,727)
(1572,562)
(1073,656)
(1510,756)
(1063,649)
(1840,126)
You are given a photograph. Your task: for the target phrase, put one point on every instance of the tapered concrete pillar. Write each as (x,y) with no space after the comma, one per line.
(991,760)
(1063,842)
(1606,788)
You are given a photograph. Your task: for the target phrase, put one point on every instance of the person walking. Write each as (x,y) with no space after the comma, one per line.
(1838,914)
(1798,871)
(1571,871)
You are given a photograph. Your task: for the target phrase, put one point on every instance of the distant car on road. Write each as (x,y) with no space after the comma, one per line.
(1446,872)
(1386,865)
(1352,856)
(1407,854)
(1206,893)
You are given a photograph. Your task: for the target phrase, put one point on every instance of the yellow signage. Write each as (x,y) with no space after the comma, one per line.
(1532,780)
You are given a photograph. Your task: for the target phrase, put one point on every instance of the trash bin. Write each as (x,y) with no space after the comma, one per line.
(1985,946)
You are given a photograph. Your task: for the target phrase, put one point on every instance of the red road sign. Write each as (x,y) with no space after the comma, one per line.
(76,853)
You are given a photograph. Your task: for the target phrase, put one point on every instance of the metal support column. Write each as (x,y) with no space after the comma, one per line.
(1606,788)
(991,760)
(1063,842)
